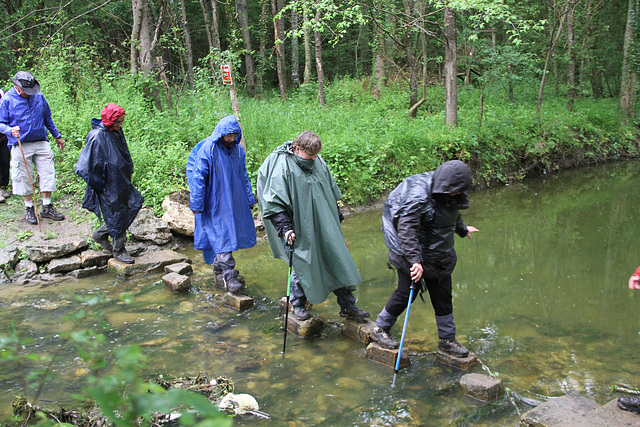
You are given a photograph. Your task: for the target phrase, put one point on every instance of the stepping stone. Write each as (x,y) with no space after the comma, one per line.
(312,327)
(462,363)
(359,330)
(482,387)
(177,282)
(153,262)
(183,268)
(240,302)
(555,411)
(387,356)
(608,415)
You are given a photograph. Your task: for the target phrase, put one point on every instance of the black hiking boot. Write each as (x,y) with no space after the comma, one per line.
(384,338)
(233,284)
(301,313)
(353,312)
(631,404)
(124,257)
(48,211)
(30,215)
(453,347)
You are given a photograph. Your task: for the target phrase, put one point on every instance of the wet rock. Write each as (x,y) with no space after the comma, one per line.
(462,363)
(179,217)
(148,263)
(49,252)
(25,269)
(358,330)
(91,258)
(86,272)
(9,257)
(482,387)
(183,268)
(148,227)
(555,411)
(177,282)
(387,356)
(64,265)
(238,404)
(248,367)
(4,278)
(238,301)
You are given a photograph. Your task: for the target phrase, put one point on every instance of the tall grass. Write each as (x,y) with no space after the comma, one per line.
(370,145)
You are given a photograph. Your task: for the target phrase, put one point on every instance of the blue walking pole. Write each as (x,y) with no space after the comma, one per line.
(286,308)
(404,331)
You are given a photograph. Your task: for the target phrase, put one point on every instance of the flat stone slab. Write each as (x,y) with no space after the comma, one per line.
(312,327)
(462,363)
(607,415)
(153,262)
(238,301)
(387,356)
(557,410)
(177,282)
(359,330)
(482,387)
(91,258)
(183,268)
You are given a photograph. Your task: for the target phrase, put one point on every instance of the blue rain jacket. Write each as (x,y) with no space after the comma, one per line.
(221,190)
(105,165)
(32,114)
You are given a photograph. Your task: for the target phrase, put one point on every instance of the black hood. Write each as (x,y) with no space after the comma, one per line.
(453,176)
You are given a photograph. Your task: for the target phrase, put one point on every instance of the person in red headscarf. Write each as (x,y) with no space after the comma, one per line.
(106,166)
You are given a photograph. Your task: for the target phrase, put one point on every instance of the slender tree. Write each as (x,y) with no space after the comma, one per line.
(450,68)
(295,62)
(187,44)
(249,63)
(319,65)
(276,6)
(629,80)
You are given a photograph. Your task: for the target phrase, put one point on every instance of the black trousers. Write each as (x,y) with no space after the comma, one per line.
(439,293)
(5,160)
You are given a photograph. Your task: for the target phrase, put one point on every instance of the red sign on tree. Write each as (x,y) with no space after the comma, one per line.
(226,74)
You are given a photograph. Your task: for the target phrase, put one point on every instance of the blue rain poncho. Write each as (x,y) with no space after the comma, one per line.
(105,165)
(308,195)
(221,190)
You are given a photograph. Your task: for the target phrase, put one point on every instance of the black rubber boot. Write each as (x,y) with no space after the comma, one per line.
(102,238)
(120,252)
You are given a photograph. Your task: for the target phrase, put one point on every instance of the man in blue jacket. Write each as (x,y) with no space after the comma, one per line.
(25,114)
(221,199)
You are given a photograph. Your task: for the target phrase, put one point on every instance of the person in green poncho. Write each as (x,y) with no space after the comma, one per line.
(298,198)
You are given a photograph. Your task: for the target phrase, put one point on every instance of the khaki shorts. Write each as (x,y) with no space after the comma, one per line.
(38,154)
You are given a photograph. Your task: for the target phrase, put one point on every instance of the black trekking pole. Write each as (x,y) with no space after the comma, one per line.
(286,307)
(404,331)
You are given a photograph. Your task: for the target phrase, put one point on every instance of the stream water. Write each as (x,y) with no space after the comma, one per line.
(540,296)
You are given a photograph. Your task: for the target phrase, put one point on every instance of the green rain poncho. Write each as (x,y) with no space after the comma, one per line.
(321,258)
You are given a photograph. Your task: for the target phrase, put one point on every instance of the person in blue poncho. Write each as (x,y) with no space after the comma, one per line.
(106,166)
(221,200)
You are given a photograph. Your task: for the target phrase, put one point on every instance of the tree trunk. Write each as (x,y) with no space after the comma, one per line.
(481,107)
(137,9)
(378,62)
(307,47)
(250,66)
(207,22)
(187,44)
(279,45)
(451,89)
(318,40)
(547,61)
(263,47)
(571,57)
(411,60)
(584,54)
(215,24)
(629,77)
(295,61)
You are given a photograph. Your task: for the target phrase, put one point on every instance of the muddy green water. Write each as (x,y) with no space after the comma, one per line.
(540,296)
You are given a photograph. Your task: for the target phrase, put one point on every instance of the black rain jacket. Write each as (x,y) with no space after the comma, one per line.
(419,219)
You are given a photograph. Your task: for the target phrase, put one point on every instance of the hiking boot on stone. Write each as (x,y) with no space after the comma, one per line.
(48,211)
(631,404)
(123,256)
(4,193)
(233,284)
(30,215)
(301,313)
(353,312)
(453,347)
(384,338)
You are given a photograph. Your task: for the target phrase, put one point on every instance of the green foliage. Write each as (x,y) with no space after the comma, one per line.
(118,389)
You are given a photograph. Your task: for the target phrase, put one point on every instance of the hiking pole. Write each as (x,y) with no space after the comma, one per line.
(286,307)
(24,159)
(404,331)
